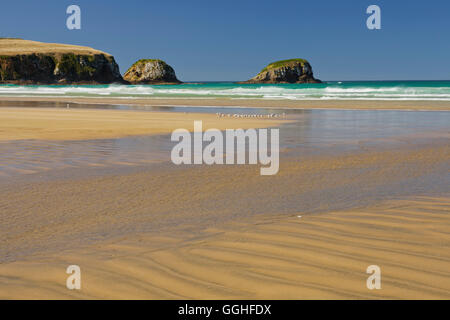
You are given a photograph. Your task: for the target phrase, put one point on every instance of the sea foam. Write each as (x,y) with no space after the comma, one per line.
(329,91)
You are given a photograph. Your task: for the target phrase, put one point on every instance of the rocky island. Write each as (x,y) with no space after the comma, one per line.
(151,71)
(285,71)
(32,62)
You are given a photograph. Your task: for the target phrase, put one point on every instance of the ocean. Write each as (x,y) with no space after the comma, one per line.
(330,90)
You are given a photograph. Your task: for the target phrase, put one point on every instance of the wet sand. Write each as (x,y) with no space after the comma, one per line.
(256,103)
(226,232)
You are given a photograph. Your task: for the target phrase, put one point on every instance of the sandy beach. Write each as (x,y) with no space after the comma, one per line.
(224,232)
(321,256)
(256,103)
(78,124)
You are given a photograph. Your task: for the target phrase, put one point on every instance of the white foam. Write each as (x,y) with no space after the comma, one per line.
(239,92)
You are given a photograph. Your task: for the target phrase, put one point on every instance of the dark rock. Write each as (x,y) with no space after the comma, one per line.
(55,64)
(286,71)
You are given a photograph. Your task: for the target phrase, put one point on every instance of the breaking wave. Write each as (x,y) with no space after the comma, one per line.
(420,90)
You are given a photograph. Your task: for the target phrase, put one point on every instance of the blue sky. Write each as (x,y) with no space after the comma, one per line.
(233,40)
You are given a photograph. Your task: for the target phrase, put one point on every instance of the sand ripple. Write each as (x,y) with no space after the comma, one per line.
(316,256)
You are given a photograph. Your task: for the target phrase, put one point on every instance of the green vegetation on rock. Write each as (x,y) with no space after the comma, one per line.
(70,64)
(143,61)
(281,63)
(285,71)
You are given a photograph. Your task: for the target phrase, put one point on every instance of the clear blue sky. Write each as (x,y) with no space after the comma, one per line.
(233,40)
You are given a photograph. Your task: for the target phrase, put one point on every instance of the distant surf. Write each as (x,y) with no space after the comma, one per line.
(332,90)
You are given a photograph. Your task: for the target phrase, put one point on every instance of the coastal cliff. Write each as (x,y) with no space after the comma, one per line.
(285,71)
(151,71)
(32,62)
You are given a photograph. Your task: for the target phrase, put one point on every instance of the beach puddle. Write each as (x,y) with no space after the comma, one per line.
(329,132)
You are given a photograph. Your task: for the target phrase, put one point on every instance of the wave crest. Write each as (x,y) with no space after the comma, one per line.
(337,91)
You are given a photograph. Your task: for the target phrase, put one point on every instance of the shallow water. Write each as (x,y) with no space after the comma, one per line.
(314,131)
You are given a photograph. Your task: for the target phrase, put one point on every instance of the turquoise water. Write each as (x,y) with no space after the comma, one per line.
(332,90)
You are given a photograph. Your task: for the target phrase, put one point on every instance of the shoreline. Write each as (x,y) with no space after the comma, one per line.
(39,123)
(406,105)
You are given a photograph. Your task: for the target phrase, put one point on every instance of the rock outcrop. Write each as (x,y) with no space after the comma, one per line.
(151,71)
(286,71)
(31,62)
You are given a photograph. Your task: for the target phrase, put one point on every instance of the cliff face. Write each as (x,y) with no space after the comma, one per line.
(286,71)
(30,62)
(151,71)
